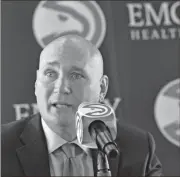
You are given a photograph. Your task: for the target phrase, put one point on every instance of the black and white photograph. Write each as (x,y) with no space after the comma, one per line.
(90,88)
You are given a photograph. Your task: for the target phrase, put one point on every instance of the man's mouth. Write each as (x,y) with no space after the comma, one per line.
(61,105)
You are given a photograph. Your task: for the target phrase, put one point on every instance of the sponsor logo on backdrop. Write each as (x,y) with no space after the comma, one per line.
(24,110)
(53,19)
(167,111)
(154,20)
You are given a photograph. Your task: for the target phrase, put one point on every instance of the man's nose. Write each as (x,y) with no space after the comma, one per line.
(62,86)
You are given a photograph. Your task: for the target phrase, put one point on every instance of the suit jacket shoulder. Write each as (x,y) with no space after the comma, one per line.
(23,147)
(11,131)
(137,151)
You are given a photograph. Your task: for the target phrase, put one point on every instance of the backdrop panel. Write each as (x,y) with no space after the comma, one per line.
(139,41)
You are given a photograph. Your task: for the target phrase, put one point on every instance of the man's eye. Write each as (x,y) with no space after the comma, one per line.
(50,73)
(76,76)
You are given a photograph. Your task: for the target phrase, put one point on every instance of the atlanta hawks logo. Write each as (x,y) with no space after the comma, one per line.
(95,110)
(53,19)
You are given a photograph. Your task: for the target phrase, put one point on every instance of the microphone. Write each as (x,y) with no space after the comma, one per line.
(96,127)
(103,168)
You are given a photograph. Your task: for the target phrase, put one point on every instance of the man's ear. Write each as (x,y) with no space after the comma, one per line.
(104,87)
(35,84)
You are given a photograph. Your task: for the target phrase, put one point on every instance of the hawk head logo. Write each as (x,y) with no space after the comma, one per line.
(53,19)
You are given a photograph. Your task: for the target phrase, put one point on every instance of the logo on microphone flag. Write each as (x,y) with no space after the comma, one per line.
(95,110)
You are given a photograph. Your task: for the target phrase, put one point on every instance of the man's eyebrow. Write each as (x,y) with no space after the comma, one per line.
(52,63)
(77,69)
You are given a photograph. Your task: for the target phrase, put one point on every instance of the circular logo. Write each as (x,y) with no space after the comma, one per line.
(167,111)
(53,19)
(95,110)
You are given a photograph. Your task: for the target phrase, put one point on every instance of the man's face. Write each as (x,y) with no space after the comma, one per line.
(64,80)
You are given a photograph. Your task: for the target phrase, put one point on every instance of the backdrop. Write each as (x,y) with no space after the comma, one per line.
(139,41)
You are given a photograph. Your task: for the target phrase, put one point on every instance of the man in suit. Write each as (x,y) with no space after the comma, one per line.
(70,72)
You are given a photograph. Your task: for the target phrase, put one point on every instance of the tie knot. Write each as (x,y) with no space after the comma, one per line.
(71,150)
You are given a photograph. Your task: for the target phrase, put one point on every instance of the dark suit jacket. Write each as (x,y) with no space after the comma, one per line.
(24,151)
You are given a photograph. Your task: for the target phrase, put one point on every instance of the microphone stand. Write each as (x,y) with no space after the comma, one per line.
(100,133)
(103,165)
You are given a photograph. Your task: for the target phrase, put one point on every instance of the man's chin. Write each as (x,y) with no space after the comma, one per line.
(66,129)
(63,120)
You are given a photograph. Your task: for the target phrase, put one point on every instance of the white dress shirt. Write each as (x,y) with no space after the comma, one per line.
(54,141)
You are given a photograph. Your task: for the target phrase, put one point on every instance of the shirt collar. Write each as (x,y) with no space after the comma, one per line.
(54,141)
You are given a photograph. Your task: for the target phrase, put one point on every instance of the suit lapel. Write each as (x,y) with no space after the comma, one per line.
(33,155)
